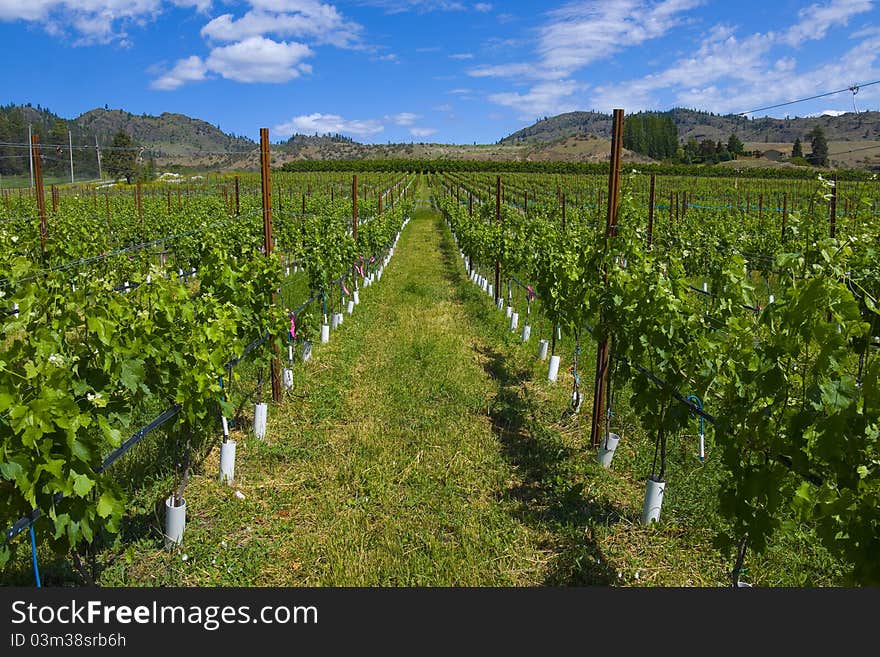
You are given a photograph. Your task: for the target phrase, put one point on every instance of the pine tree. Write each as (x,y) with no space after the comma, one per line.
(819,147)
(734,145)
(121,159)
(797,150)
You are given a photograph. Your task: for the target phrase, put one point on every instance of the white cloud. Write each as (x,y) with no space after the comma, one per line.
(816,20)
(728,74)
(257,59)
(94,21)
(483,7)
(420,6)
(313,20)
(404,118)
(422,132)
(443,108)
(186,70)
(461,91)
(542,99)
(461,55)
(578,34)
(328,123)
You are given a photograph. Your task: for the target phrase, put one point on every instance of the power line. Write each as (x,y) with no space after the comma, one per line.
(855,150)
(853,88)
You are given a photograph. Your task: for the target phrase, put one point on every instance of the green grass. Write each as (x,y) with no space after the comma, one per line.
(424,446)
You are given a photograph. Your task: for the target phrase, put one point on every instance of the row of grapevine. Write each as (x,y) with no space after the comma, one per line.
(113,326)
(776,343)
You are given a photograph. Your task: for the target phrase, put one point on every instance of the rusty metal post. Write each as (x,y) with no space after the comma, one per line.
(266,183)
(41,200)
(651,211)
(603,351)
(354,207)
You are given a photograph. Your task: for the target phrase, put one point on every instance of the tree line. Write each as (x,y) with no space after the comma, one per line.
(655,134)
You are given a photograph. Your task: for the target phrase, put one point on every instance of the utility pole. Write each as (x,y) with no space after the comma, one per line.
(70,145)
(98,152)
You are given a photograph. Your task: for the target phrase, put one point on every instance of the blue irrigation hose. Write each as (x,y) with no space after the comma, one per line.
(34,557)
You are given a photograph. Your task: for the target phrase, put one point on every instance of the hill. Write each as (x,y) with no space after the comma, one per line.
(177,140)
(845,132)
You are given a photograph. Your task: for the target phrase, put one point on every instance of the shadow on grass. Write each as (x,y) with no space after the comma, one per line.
(546,497)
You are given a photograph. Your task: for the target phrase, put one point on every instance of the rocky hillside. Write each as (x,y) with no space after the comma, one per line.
(705,125)
(168,135)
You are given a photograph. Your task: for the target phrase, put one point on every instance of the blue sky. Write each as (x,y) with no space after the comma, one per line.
(433,70)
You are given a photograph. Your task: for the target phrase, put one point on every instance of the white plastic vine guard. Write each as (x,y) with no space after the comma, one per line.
(553,370)
(543,347)
(175,522)
(227,462)
(654,491)
(606,449)
(260,411)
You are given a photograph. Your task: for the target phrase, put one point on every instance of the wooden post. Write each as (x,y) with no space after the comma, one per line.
(498,221)
(38,183)
(603,351)
(760,209)
(266,183)
(237,206)
(651,211)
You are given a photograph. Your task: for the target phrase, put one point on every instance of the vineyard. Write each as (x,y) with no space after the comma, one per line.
(517,390)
